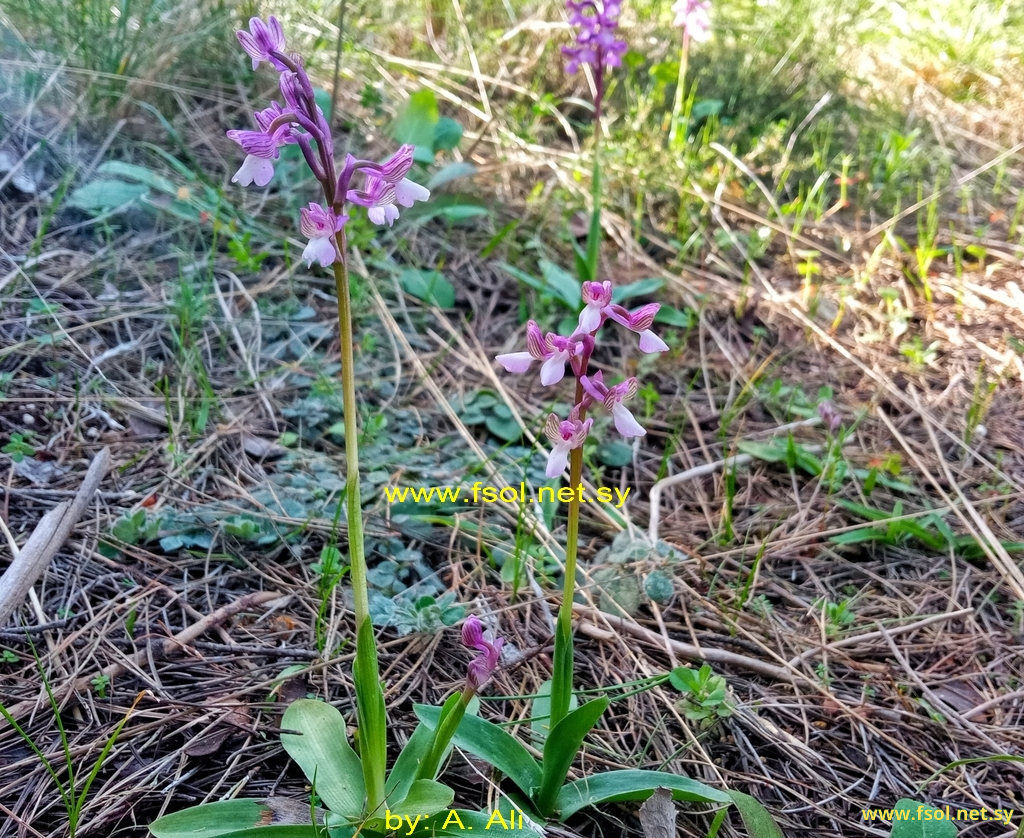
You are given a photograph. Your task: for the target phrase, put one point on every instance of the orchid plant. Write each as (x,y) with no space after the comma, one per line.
(694,18)
(358,792)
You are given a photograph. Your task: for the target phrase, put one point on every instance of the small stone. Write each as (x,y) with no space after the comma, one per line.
(28,419)
(92,433)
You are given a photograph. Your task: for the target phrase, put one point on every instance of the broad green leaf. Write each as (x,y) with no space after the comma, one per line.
(562,284)
(561,747)
(117,168)
(322,751)
(373,745)
(640,288)
(685,319)
(227,817)
(632,785)
(447,134)
(453,171)
(756,818)
(456,822)
(404,771)
(429,286)
(425,797)
(770,452)
(489,742)
(102,195)
(417,123)
(916,820)
(615,454)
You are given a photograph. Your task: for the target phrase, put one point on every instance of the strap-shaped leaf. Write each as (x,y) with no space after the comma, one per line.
(404,771)
(913,825)
(758,820)
(560,749)
(373,744)
(320,747)
(425,797)
(230,819)
(632,785)
(489,742)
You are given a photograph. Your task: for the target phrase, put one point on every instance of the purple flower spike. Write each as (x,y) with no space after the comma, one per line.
(596,43)
(613,398)
(264,39)
(640,321)
(481,667)
(695,18)
(566,435)
(319,225)
(260,148)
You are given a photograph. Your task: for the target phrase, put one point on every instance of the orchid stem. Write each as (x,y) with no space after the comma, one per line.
(562,665)
(677,104)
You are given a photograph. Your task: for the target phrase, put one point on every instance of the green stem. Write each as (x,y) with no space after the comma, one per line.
(357,557)
(365,669)
(562,665)
(677,104)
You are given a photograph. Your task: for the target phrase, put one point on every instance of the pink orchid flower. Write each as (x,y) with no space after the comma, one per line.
(380,197)
(553,350)
(261,40)
(319,225)
(613,398)
(481,667)
(566,435)
(260,149)
(598,307)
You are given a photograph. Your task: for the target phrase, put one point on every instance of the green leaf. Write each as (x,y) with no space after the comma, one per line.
(615,454)
(453,171)
(562,284)
(425,797)
(373,720)
(489,742)
(404,771)
(417,124)
(322,751)
(429,286)
(632,785)
(460,820)
(561,747)
(540,710)
(756,818)
(640,288)
(447,134)
(104,195)
(225,818)
(770,452)
(908,825)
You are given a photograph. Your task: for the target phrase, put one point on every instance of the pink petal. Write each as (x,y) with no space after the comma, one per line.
(254,170)
(407,192)
(590,319)
(553,369)
(515,361)
(650,342)
(558,459)
(625,422)
(319,250)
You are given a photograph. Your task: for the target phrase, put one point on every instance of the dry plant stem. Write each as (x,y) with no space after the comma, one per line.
(46,539)
(155,650)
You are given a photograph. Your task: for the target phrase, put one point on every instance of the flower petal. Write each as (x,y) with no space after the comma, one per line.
(407,192)
(650,342)
(625,422)
(558,459)
(590,319)
(515,361)
(553,369)
(319,250)
(254,170)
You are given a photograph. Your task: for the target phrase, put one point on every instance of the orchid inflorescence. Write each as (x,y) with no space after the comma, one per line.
(694,16)
(555,351)
(596,42)
(385,186)
(483,665)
